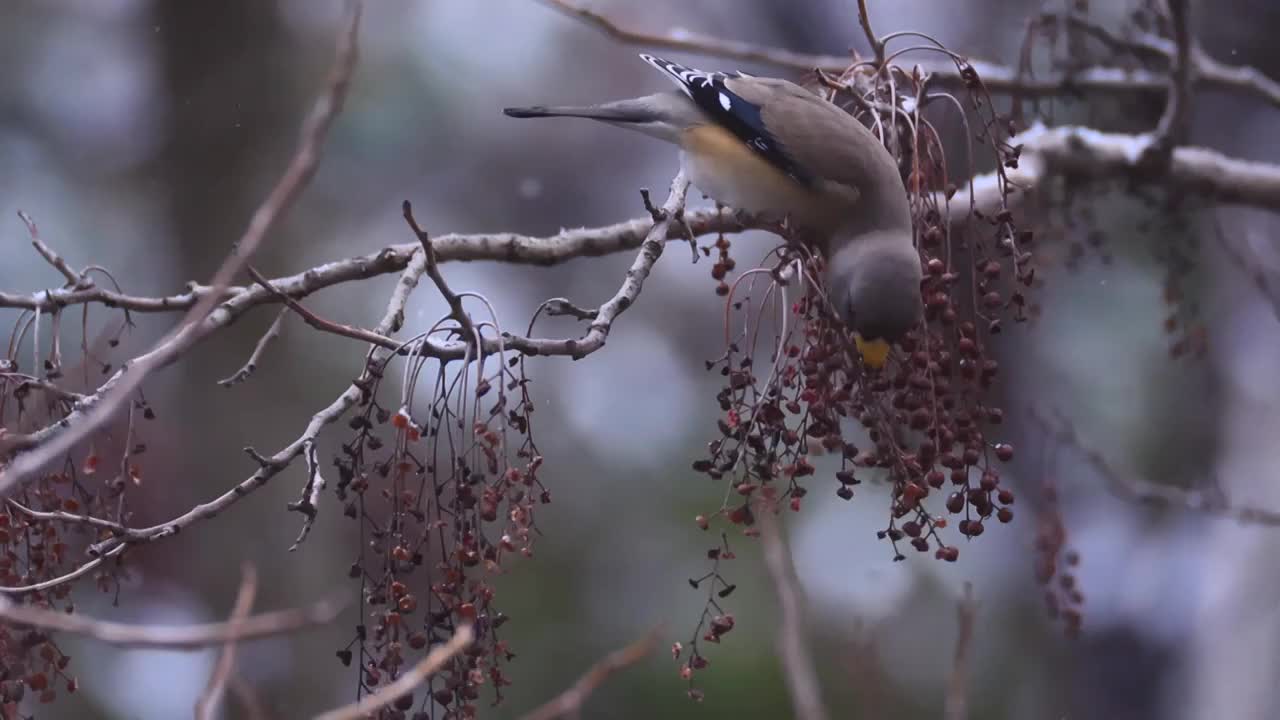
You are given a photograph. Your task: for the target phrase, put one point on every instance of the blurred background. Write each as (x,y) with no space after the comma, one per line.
(141,135)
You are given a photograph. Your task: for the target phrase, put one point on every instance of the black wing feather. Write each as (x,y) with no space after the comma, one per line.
(731,111)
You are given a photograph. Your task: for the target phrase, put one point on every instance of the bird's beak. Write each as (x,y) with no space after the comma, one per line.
(875,353)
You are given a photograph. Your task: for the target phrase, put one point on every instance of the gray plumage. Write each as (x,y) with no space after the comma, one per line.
(769,146)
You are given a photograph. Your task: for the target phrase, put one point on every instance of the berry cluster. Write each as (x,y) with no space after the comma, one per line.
(443,503)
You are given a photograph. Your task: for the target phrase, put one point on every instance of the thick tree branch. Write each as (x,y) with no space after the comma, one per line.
(1082,153)
(510,248)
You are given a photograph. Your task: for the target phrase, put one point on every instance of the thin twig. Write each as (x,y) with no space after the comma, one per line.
(793,648)
(249,367)
(309,503)
(65,578)
(63,516)
(207,705)
(320,323)
(168,637)
(1171,131)
(957,704)
(73,278)
(466,328)
(569,703)
(407,682)
(877,46)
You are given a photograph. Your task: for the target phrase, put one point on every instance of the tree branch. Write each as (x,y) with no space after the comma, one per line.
(1212,501)
(569,703)
(510,248)
(1082,153)
(996,77)
(269,467)
(164,637)
(793,649)
(1172,129)
(406,683)
(251,364)
(207,705)
(957,703)
(73,278)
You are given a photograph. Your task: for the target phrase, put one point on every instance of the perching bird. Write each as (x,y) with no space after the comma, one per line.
(765,145)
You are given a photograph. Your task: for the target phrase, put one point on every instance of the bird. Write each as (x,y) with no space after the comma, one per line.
(770,147)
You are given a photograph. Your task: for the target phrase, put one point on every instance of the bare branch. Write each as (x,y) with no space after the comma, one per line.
(957,704)
(207,705)
(201,320)
(251,365)
(309,503)
(63,516)
(29,382)
(509,248)
(1212,73)
(459,314)
(1212,501)
(168,637)
(877,46)
(1172,128)
(407,682)
(73,278)
(269,467)
(996,77)
(64,578)
(684,40)
(569,703)
(650,251)
(793,648)
(320,323)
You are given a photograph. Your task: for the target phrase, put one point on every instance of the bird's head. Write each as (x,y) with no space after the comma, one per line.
(874,284)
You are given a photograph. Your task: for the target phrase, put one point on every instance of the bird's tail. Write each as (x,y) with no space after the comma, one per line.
(625,111)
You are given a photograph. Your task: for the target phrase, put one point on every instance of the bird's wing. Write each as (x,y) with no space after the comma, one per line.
(715,94)
(837,151)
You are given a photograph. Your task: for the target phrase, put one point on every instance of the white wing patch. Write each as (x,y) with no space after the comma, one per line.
(725,102)
(686,77)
